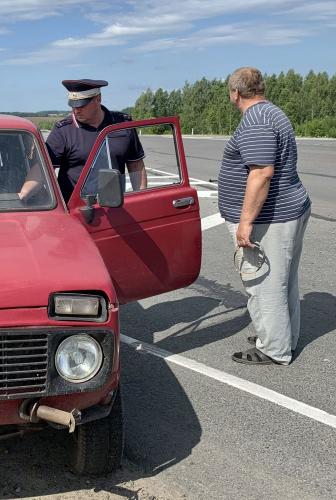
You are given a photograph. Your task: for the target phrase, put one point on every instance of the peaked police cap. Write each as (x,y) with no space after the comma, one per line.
(80,92)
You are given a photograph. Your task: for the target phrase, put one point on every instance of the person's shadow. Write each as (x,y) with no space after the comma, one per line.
(318,317)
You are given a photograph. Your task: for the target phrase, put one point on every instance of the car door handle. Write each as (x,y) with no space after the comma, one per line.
(184,202)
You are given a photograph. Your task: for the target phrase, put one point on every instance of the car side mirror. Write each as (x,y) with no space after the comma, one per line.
(110,190)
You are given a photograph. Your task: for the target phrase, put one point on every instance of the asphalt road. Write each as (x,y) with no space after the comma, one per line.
(195,431)
(204,438)
(316,164)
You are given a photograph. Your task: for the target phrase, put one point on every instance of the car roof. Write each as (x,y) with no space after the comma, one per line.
(16,122)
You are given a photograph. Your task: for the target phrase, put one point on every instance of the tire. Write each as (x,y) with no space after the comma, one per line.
(98,445)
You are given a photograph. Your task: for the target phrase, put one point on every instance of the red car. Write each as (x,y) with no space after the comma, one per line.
(65,269)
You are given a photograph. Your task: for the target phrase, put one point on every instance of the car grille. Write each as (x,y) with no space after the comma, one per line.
(23,364)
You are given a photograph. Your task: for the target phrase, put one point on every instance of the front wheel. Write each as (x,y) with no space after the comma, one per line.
(98,445)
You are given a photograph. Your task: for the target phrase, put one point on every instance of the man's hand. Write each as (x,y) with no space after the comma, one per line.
(243,234)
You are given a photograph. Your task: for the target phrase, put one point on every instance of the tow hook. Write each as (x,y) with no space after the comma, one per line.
(38,412)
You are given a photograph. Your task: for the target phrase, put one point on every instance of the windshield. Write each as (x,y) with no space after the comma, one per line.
(23,181)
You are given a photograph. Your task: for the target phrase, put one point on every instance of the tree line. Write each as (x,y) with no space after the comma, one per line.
(204,106)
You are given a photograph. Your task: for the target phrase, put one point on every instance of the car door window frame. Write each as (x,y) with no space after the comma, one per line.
(76,198)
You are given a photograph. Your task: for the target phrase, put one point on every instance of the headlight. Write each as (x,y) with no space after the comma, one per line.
(78,358)
(76,306)
(79,306)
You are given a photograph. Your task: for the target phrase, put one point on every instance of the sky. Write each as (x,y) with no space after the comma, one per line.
(140,44)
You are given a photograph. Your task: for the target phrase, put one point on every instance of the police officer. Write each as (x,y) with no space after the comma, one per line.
(71,140)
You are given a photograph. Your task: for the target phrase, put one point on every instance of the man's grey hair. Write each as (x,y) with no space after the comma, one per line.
(248,81)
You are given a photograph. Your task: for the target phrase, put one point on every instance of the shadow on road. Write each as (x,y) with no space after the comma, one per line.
(37,466)
(162,427)
(318,317)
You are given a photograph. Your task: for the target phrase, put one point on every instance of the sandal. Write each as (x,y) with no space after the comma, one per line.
(253,357)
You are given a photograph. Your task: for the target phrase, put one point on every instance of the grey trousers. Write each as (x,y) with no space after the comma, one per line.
(273,290)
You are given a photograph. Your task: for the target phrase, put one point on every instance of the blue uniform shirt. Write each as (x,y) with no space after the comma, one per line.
(70,142)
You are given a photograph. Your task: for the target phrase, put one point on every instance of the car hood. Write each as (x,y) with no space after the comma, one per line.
(44,253)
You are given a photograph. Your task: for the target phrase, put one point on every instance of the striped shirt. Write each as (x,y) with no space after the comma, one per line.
(264,137)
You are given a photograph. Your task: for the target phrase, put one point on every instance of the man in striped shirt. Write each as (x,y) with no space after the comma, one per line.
(266,209)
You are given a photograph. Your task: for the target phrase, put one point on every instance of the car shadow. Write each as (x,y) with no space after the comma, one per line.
(162,427)
(37,465)
(161,424)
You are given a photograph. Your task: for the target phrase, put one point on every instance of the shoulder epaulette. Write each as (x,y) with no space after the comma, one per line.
(119,117)
(66,121)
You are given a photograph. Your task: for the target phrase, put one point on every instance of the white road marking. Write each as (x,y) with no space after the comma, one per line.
(199,182)
(191,179)
(226,137)
(205,183)
(206,222)
(211,221)
(207,194)
(233,381)
(158,182)
(163,172)
(189,136)
(170,176)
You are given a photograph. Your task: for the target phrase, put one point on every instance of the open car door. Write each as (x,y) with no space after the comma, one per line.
(152,243)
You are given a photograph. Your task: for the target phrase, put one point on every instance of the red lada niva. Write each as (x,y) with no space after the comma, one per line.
(66,268)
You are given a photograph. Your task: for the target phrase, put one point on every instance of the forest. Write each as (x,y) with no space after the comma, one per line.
(204,107)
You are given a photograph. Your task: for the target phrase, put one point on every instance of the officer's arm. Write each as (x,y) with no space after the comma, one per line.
(138,175)
(56,145)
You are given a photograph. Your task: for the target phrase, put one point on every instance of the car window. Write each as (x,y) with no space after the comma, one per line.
(146,157)
(20,162)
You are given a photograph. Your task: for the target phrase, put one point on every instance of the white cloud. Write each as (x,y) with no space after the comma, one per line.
(20,10)
(43,56)
(155,12)
(315,11)
(228,34)
(176,11)
(93,41)
(154,15)
(117,32)
(153,25)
